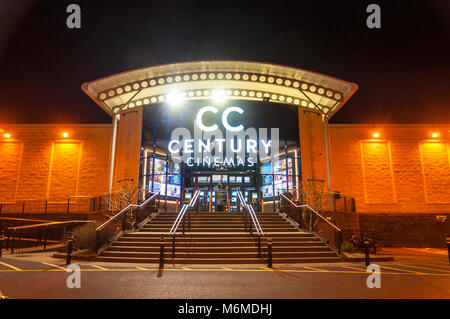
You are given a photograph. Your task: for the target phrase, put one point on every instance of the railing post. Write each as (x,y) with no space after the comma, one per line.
(7,239)
(45,237)
(161,252)
(2,239)
(173,246)
(345,204)
(269,252)
(39,236)
(45,210)
(97,238)
(69,249)
(23,208)
(13,242)
(68,205)
(447,239)
(340,241)
(124,221)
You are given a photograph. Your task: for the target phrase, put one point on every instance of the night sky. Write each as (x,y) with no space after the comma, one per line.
(402,69)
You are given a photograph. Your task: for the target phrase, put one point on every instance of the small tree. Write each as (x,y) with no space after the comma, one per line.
(311,194)
(118,199)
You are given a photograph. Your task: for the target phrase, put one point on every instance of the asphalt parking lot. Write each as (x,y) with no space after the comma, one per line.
(413,274)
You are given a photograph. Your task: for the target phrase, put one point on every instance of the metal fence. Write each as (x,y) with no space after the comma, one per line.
(69,205)
(321,201)
(39,236)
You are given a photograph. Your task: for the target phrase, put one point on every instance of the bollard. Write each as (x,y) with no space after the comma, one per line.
(161,252)
(269,252)
(189,220)
(173,245)
(2,239)
(448,246)
(259,246)
(69,248)
(366,244)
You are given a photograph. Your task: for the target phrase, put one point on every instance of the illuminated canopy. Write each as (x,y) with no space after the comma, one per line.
(238,80)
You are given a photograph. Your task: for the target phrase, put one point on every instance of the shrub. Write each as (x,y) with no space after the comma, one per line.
(347,246)
(84,237)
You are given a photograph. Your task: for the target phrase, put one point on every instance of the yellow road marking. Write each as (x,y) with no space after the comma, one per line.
(98,267)
(243,270)
(316,269)
(142,268)
(433,269)
(363,270)
(227,268)
(10,266)
(185,268)
(53,265)
(439,265)
(437,251)
(399,269)
(428,250)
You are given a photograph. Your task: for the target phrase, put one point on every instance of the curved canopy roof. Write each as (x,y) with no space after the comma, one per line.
(239,80)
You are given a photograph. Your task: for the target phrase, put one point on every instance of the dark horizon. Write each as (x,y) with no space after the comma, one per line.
(402,69)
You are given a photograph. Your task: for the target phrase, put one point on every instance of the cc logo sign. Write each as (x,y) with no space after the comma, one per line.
(203,110)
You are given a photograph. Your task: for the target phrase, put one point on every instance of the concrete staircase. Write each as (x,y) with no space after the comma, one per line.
(219,238)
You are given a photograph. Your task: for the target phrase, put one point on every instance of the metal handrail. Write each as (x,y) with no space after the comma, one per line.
(182,212)
(49,224)
(252,214)
(125,209)
(310,208)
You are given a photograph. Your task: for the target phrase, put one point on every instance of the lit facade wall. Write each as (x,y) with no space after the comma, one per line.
(404,170)
(37,162)
(128,149)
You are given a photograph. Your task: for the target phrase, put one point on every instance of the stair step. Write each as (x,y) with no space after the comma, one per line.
(276,235)
(224,254)
(216,249)
(218,238)
(209,261)
(196,243)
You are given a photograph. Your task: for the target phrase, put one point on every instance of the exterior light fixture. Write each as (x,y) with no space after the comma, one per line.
(174,98)
(7,135)
(376,135)
(65,134)
(435,135)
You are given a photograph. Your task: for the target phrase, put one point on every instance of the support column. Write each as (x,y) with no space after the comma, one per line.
(113,152)
(327,156)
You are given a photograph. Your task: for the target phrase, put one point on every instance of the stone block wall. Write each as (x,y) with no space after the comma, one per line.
(405,170)
(37,162)
(406,230)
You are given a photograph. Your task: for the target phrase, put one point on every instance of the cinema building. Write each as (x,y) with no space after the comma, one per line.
(258,128)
